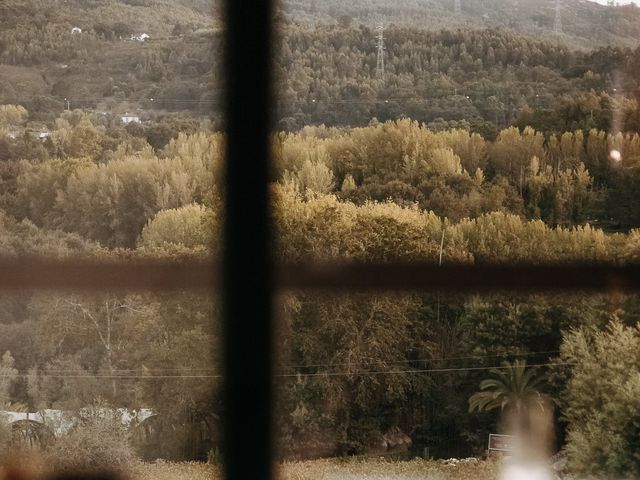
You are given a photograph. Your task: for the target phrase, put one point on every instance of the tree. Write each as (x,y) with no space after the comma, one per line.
(99,442)
(182,228)
(348,184)
(315,176)
(444,162)
(526,412)
(514,387)
(8,376)
(12,116)
(602,400)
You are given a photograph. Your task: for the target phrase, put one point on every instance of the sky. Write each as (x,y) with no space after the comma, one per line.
(621,2)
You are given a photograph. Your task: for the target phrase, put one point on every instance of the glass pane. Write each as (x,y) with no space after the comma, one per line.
(452,132)
(110,150)
(107,381)
(108,115)
(463,108)
(421,385)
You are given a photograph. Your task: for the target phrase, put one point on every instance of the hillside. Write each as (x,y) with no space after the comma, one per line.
(156,17)
(585,24)
(469,72)
(42,61)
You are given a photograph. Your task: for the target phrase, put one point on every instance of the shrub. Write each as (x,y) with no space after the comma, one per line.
(99,442)
(602,401)
(5,436)
(183,227)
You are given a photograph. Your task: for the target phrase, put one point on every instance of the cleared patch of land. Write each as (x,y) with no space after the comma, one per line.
(175,471)
(25,81)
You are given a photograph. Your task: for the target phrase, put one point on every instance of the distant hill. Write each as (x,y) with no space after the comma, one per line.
(42,61)
(496,62)
(156,17)
(585,24)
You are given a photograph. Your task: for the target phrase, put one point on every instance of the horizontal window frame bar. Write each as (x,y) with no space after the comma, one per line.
(166,276)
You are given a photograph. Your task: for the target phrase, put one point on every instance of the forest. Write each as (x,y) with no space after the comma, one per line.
(392,191)
(488,140)
(584,24)
(480,77)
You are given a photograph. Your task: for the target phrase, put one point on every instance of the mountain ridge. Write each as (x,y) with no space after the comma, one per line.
(585,24)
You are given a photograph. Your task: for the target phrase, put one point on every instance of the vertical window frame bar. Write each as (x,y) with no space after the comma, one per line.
(247,264)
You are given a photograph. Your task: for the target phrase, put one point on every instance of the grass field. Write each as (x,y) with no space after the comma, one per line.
(334,469)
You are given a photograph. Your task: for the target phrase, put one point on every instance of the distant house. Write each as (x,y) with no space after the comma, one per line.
(75,30)
(142,37)
(43,135)
(127,119)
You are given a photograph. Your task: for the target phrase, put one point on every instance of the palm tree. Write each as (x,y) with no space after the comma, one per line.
(512,387)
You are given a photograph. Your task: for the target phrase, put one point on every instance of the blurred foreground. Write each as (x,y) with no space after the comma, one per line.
(330,469)
(347,468)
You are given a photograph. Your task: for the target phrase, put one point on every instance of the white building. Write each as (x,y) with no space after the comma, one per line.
(127,119)
(43,135)
(142,37)
(76,30)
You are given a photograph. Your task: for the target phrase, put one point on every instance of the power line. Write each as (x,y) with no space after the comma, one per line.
(286,375)
(125,371)
(477,94)
(421,360)
(426,370)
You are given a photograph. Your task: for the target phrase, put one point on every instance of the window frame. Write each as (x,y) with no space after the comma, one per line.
(248,277)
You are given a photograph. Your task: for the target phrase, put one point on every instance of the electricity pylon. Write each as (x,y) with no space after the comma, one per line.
(557,26)
(380,65)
